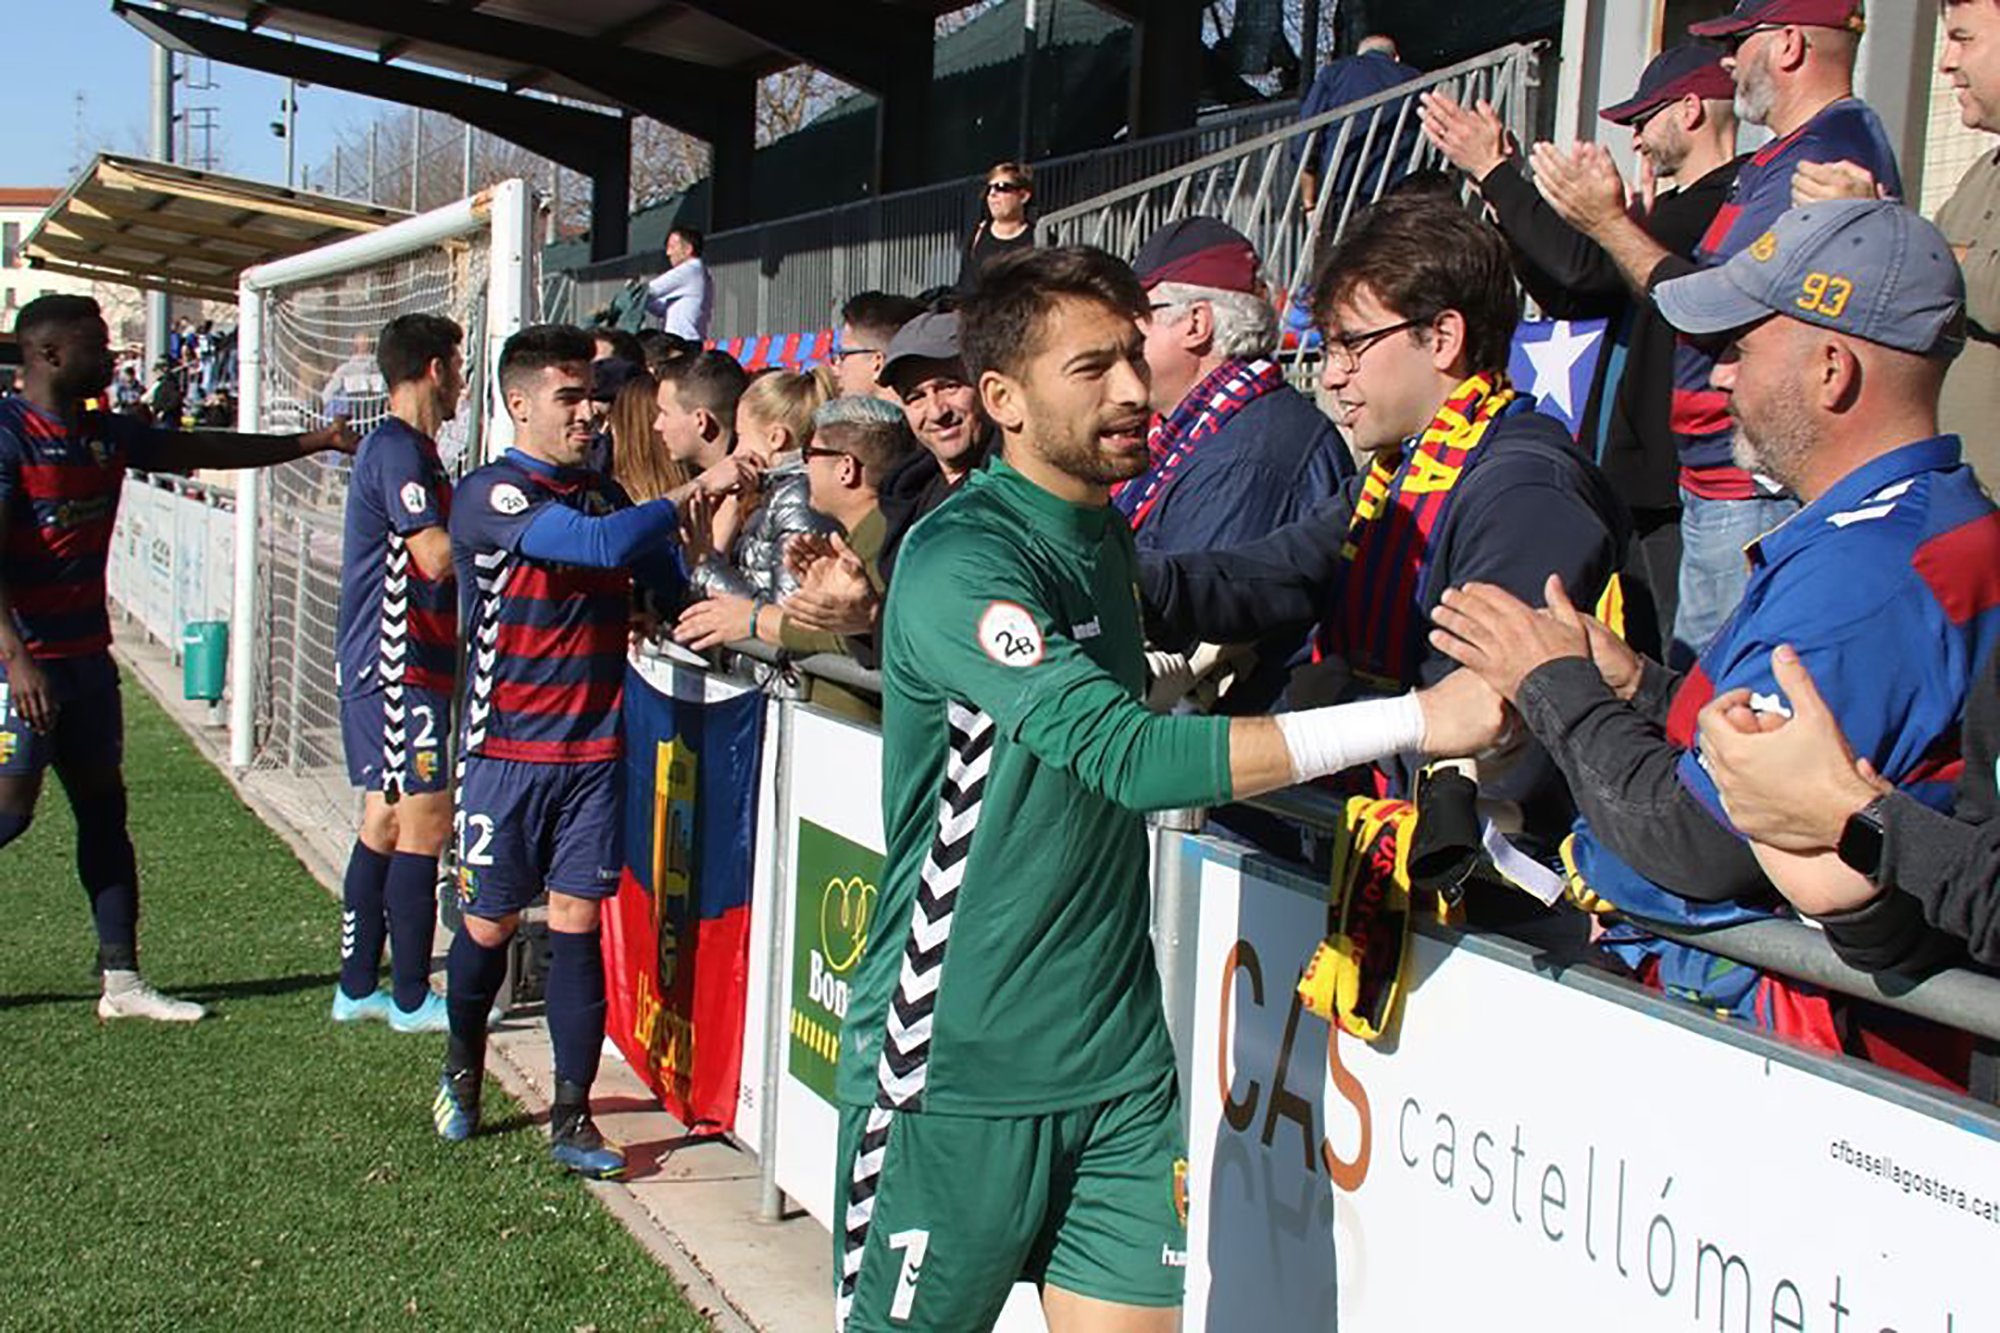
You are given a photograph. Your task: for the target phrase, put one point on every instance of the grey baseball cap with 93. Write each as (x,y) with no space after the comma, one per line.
(1869,268)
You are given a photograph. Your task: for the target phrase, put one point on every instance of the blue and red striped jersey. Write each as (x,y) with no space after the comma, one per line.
(1888,586)
(1844,131)
(396,627)
(546,640)
(59,488)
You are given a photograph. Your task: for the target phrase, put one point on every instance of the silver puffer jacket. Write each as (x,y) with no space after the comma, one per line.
(757,562)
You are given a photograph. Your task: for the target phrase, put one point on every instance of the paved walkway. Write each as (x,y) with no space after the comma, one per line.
(691,1202)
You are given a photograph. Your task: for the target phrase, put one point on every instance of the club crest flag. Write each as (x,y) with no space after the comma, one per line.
(676,936)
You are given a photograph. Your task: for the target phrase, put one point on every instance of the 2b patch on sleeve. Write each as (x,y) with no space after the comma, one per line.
(415,498)
(1009,635)
(506,498)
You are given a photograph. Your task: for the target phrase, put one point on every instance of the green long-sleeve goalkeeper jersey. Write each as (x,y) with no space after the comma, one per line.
(1009,969)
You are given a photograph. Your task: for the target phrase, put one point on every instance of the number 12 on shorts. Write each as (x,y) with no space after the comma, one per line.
(912,1245)
(475,839)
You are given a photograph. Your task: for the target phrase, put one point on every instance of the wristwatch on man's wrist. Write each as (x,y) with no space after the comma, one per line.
(1863,840)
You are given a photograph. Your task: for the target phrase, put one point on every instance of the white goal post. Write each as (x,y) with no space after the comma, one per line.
(474,261)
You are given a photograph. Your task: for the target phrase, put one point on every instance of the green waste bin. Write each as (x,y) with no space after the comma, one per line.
(204,659)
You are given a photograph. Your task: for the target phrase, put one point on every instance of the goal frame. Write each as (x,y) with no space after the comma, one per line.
(506,212)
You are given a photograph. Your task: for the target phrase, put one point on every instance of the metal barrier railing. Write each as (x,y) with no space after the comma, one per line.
(172,546)
(1257,185)
(1961,998)
(789,275)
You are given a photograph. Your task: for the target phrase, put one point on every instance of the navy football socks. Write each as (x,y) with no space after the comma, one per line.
(410,889)
(576,1005)
(110,875)
(473,974)
(361,921)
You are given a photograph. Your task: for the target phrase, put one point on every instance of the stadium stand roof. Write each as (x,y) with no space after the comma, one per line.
(187,232)
(587,66)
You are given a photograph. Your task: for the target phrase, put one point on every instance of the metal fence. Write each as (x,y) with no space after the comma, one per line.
(789,275)
(1358,152)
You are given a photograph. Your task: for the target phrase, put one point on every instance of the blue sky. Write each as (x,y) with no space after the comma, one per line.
(59,48)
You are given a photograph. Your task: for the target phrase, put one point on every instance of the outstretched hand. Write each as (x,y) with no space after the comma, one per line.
(1464,717)
(337,435)
(1504,640)
(715,622)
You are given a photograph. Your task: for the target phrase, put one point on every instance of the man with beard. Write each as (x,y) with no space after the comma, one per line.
(1970,57)
(62,465)
(1793,63)
(1014,1115)
(1838,325)
(1684,131)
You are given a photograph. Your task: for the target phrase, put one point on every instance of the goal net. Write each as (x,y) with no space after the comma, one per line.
(308,354)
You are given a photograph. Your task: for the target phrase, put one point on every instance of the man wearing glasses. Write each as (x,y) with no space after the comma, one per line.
(1793,64)
(868,322)
(1465,483)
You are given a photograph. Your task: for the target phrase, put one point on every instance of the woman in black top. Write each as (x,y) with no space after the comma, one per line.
(1010,186)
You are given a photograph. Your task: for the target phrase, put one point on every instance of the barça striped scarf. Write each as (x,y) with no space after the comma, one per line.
(1204,410)
(1376,622)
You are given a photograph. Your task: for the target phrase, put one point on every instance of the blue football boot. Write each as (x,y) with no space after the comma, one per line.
(577,1146)
(375,1004)
(455,1110)
(428,1016)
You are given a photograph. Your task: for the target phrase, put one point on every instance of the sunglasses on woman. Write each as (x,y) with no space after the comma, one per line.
(1004,187)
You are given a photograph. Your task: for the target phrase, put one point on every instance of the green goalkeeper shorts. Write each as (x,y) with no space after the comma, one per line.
(938,1216)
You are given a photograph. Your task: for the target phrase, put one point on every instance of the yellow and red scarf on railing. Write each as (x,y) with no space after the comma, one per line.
(1355,976)
(1376,623)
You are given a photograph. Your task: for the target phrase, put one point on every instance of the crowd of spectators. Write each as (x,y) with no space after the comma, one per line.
(1738,617)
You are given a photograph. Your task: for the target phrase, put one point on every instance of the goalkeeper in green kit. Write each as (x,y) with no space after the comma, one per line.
(1010,1109)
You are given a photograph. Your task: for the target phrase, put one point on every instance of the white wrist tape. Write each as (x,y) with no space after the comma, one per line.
(1329,740)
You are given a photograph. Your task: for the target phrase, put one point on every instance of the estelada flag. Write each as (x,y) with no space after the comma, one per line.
(676,936)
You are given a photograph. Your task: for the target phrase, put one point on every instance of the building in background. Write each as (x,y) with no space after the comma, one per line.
(21,207)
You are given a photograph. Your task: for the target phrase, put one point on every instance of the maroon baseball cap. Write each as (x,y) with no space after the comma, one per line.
(1687,67)
(1750,14)
(1201,252)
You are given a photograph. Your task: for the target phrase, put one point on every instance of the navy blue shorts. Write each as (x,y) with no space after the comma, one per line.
(522,828)
(90,719)
(415,748)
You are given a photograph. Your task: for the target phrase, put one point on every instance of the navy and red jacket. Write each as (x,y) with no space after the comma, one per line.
(1844,131)
(1888,587)
(59,489)
(544,558)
